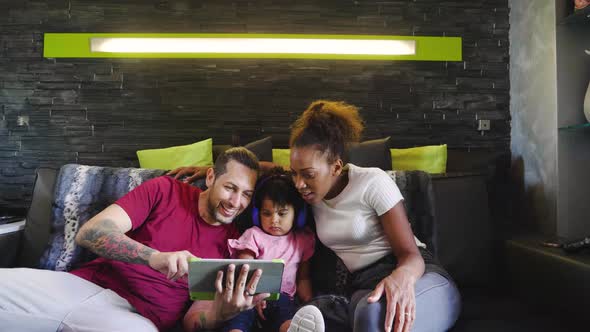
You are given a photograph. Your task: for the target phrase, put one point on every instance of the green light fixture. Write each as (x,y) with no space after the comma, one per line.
(273,46)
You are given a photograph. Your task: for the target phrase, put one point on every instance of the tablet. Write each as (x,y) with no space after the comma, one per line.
(203,272)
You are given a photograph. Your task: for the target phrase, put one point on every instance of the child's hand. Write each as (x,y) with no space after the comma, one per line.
(260,308)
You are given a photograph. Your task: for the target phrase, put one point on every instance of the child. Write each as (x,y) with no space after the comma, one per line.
(279,232)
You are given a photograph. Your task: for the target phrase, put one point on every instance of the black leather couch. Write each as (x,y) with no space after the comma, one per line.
(461,234)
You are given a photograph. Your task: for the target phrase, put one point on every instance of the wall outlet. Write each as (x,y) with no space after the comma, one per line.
(483,125)
(22,120)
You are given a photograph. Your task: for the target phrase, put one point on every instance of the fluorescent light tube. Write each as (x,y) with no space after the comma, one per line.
(254,46)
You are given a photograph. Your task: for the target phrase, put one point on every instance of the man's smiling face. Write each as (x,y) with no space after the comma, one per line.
(231,192)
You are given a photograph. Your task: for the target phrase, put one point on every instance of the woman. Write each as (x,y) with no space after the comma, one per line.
(359,215)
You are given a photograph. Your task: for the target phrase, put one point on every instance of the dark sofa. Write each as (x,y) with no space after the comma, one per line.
(449,212)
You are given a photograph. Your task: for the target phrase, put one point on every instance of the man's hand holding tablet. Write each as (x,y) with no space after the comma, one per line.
(231,297)
(203,275)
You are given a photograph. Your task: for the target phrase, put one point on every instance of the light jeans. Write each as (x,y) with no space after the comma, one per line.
(438,305)
(42,300)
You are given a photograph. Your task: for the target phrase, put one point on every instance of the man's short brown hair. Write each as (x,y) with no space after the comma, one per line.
(238,154)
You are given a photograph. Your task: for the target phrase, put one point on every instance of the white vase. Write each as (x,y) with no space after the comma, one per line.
(587,103)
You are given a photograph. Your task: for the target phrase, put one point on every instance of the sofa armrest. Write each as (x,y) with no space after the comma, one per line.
(37,230)
(10,237)
(464,237)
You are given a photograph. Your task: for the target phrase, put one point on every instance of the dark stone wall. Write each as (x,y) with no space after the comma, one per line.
(100,111)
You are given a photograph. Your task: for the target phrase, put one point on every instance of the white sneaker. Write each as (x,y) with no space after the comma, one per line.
(307,319)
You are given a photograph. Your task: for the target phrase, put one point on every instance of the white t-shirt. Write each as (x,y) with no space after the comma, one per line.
(349,223)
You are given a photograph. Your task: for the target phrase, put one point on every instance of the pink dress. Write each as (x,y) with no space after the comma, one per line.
(295,247)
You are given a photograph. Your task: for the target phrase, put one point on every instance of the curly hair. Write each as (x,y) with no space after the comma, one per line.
(328,126)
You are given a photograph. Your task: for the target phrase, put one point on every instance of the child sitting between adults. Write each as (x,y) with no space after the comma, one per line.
(279,232)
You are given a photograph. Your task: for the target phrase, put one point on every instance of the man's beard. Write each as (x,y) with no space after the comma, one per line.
(215,214)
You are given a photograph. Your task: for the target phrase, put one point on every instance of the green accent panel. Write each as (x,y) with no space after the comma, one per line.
(77,45)
(210,296)
(194,259)
(204,296)
(279,260)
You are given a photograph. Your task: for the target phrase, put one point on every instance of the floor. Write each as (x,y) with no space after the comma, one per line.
(494,311)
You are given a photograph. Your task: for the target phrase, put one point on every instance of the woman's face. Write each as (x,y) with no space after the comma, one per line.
(313,175)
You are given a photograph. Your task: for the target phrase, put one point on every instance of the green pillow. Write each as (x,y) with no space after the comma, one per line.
(431,159)
(281,157)
(196,154)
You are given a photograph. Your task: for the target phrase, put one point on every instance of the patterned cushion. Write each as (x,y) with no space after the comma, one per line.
(416,188)
(80,193)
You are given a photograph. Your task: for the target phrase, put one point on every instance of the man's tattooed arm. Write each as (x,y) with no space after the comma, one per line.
(201,316)
(105,239)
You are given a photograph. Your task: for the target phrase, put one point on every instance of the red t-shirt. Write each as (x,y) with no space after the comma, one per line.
(164,214)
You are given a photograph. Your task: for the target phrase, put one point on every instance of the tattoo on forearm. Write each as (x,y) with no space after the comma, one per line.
(106,239)
(201,323)
(203,319)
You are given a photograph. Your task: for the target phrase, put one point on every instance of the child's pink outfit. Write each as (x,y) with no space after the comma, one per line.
(294,247)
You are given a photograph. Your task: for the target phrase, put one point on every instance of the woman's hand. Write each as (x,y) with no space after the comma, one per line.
(193,172)
(401,300)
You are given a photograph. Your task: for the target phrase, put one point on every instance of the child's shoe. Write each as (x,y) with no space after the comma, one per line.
(307,319)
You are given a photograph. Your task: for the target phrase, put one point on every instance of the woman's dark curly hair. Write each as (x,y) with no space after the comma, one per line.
(328,126)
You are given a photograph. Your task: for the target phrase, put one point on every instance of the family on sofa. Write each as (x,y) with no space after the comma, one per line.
(144,241)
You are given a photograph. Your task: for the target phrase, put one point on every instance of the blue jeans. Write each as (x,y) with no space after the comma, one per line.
(438,305)
(276,313)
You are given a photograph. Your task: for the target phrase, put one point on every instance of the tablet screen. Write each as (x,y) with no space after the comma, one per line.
(203,272)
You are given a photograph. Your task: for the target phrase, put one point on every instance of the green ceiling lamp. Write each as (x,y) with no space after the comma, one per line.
(270,46)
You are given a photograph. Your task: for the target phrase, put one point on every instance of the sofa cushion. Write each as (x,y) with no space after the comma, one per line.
(80,193)
(431,159)
(219,149)
(373,153)
(262,148)
(37,228)
(196,154)
(281,157)
(416,188)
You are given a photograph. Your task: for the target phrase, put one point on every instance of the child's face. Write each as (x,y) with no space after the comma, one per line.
(276,220)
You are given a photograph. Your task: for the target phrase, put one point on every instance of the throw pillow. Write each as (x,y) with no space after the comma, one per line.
(196,154)
(281,157)
(431,159)
(262,148)
(374,153)
(219,149)
(80,193)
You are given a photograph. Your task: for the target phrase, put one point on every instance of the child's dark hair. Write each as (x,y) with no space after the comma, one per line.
(328,126)
(277,185)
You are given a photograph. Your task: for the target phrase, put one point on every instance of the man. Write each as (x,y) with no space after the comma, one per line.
(144,241)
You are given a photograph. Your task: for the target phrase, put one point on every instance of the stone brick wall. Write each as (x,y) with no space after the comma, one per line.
(100,111)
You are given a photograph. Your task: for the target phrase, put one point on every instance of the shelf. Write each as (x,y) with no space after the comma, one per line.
(12,227)
(578,127)
(532,244)
(579,17)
